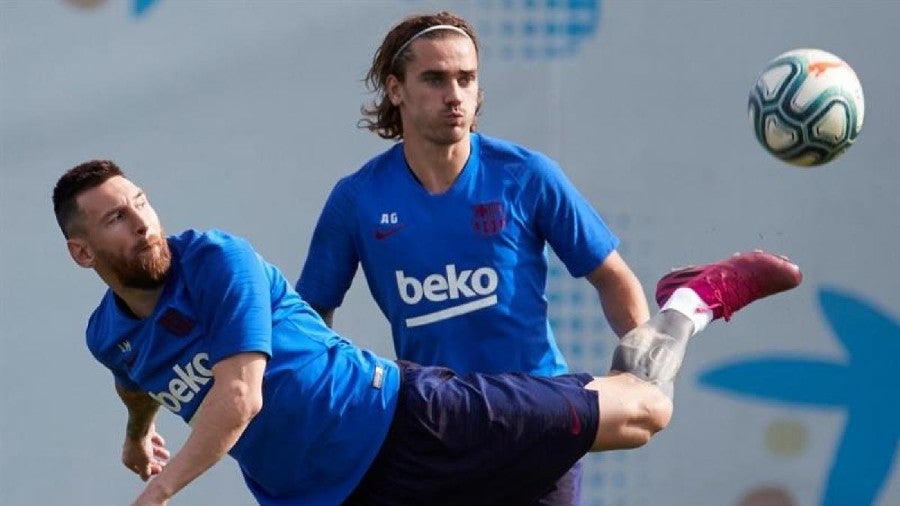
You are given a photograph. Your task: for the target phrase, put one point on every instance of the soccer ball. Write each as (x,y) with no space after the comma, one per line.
(807,107)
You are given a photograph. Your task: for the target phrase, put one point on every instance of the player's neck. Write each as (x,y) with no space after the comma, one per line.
(141,302)
(436,166)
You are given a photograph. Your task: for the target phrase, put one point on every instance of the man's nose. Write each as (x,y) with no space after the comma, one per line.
(141,223)
(454,93)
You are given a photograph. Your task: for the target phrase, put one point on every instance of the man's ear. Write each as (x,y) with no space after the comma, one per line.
(392,90)
(80,252)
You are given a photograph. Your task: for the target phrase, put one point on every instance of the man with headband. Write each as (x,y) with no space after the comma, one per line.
(451,226)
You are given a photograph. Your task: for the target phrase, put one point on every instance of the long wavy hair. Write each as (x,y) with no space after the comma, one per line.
(381,116)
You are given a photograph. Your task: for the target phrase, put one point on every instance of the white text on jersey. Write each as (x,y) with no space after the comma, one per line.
(186,383)
(438,287)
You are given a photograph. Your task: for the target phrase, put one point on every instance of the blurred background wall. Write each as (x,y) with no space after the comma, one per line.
(242,115)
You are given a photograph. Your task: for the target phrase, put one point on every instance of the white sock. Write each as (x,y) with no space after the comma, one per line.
(687,302)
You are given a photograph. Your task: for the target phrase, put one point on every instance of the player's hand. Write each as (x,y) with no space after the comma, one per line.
(146,456)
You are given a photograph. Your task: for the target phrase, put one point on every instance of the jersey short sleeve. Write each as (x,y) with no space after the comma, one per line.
(96,335)
(332,259)
(230,287)
(575,231)
(105,325)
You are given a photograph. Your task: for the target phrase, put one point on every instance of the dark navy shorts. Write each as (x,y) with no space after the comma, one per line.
(479,439)
(566,491)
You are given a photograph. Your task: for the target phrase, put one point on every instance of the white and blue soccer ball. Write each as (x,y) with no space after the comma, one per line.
(807,107)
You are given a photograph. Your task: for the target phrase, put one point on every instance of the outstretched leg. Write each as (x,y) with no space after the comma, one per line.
(636,398)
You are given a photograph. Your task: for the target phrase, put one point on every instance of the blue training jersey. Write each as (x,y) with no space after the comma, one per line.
(327,405)
(461,275)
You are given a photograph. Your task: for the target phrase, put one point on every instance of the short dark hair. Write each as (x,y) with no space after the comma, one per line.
(382,116)
(73,183)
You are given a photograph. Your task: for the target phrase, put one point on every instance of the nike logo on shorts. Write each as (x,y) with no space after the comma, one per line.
(575,429)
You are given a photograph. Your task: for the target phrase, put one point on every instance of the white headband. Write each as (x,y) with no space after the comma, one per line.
(423,32)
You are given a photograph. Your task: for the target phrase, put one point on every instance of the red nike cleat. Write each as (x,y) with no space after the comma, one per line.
(728,285)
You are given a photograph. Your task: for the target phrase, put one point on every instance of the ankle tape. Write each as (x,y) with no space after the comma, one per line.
(651,356)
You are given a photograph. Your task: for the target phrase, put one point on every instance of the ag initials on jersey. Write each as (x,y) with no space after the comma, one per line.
(388,225)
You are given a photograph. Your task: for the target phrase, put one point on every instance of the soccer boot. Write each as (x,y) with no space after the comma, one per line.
(730,284)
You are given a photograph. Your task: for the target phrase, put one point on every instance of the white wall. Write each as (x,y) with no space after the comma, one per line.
(241,115)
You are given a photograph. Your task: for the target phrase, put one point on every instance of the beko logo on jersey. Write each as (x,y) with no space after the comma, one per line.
(450,285)
(188,380)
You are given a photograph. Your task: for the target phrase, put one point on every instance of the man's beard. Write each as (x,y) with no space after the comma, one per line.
(148,268)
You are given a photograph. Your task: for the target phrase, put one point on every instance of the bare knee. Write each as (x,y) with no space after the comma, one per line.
(649,412)
(631,412)
(655,413)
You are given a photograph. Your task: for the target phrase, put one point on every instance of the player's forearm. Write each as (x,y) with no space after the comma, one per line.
(141,412)
(221,419)
(621,295)
(624,306)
